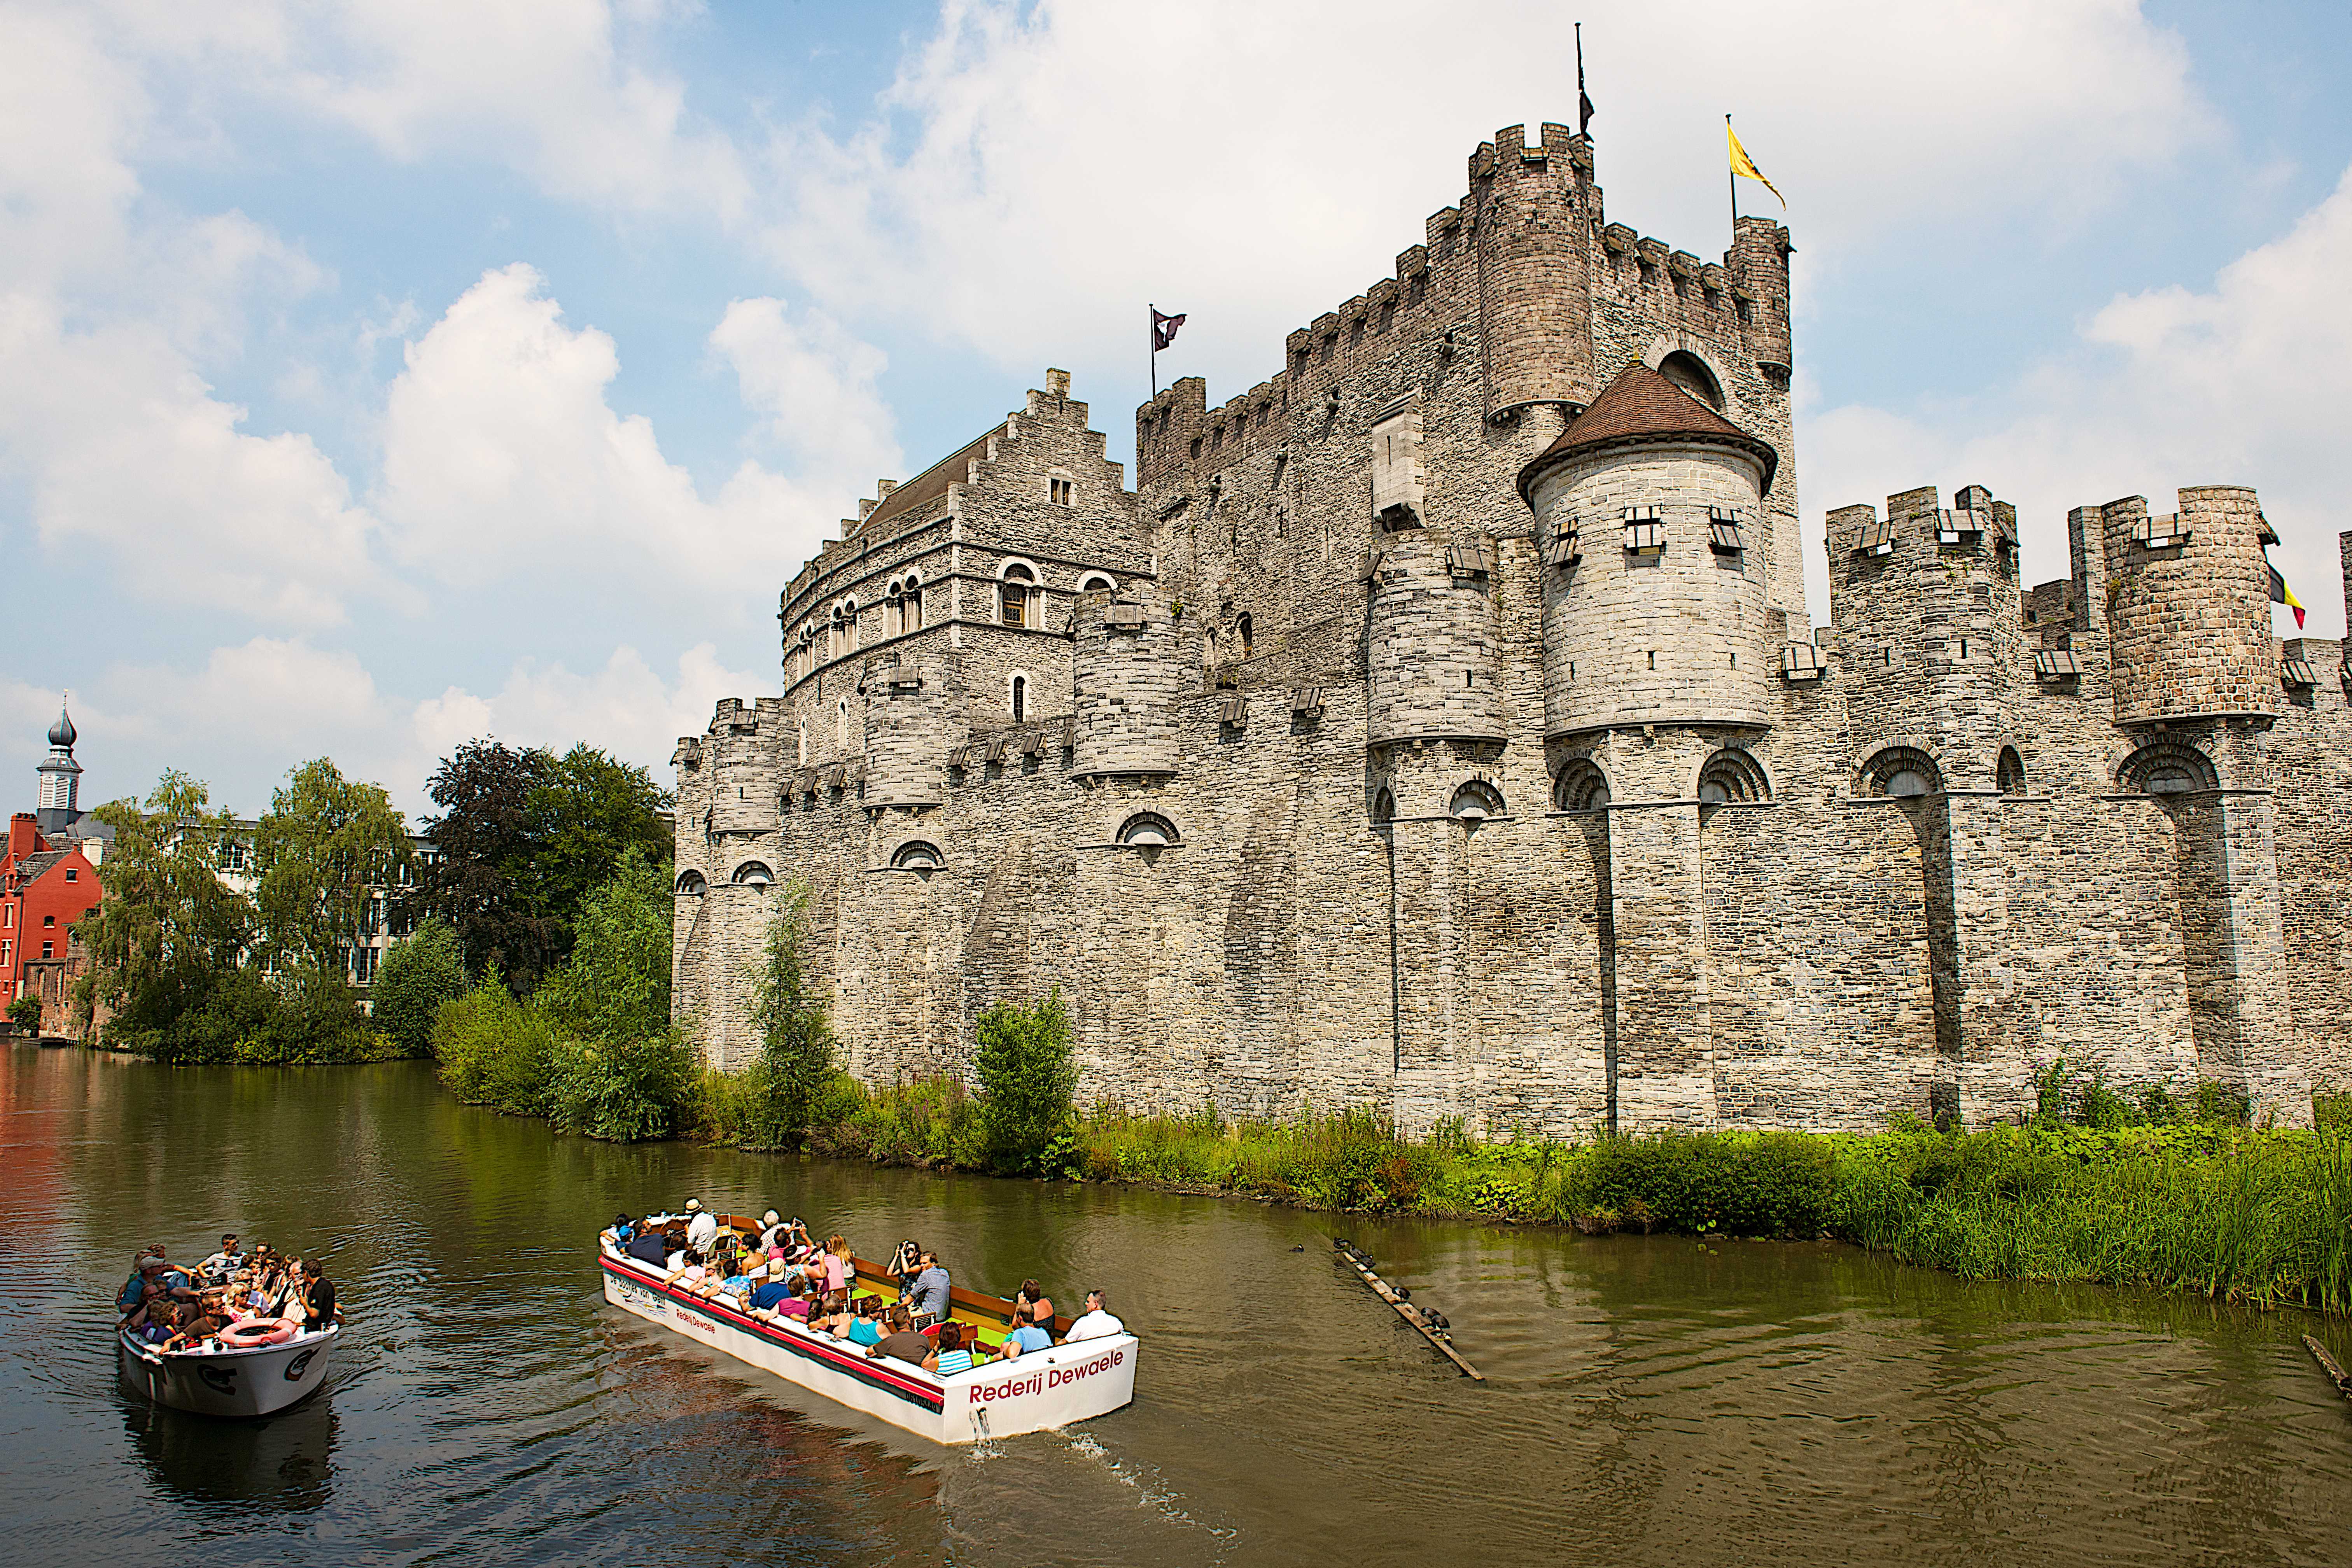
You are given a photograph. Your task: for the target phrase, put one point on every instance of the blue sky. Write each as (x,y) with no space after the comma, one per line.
(377,375)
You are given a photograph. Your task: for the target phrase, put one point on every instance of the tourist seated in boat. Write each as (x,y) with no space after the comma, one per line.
(1032,1333)
(928,1298)
(1027,1299)
(769,1293)
(862,1324)
(688,1269)
(215,1270)
(701,1225)
(195,1326)
(952,1351)
(650,1247)
(1096,1323)
(901,1341)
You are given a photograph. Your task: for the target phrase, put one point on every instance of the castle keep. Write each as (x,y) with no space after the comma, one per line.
(1439,724)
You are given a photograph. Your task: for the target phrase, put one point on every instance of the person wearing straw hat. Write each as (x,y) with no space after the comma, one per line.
(702,1227)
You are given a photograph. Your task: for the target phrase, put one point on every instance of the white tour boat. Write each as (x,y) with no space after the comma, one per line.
(1041,1390)
(248,1380)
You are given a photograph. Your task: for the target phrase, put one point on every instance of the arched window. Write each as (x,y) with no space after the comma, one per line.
(1902,772)
(850,625)
(1097,583)
(1020,698)
(841,722)
(1688,371)
(917,857)
(690,886)
(1384,806)
(1014,593)
(2009,772)
(836,638)
(800,735)
(1476,801)
(2168,767)
(753,874)
(911,612)
(1242,630)
(1731,775)
(1581,786)
(1147,830)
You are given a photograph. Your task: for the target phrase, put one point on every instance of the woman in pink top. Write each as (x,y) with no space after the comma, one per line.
(837,1270)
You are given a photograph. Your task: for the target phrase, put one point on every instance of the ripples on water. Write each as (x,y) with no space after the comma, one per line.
(1649,1401)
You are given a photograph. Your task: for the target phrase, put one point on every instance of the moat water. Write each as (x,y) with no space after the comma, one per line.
(1647,1400)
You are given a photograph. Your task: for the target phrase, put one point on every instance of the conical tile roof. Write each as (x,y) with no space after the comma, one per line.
(1642,406)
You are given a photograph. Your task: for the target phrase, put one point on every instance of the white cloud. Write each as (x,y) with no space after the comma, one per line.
(1037,172)
(2243,382)
(126,451)
(252,711)
(503,457)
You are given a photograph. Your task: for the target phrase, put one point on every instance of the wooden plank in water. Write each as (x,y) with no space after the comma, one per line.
(1387,1292)
(2327,1365)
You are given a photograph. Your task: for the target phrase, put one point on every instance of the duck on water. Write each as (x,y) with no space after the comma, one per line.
(237,1335)
(899,1341)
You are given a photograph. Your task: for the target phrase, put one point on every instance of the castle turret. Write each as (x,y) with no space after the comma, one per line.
(2189,616)
(912,720)
(739,759)
(1431,663)
(1930,621)
(1654,587)
(1535,299)
(1124,675)
(1759,262)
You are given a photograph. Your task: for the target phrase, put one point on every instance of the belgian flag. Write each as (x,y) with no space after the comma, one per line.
(2282,594)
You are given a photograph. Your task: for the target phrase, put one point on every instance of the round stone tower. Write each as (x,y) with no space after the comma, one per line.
(1535,301)
(1648,510)
(912,720)
(1430,636)
(1931,629)
(2189,607)
(1124,675)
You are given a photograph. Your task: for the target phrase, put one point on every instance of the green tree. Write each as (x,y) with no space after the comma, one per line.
(422,971)
(325,851)
(25,1012)
(1029,1077)
(798,1062)
(588,811)
(523,839)
(167,940)
(622,1069)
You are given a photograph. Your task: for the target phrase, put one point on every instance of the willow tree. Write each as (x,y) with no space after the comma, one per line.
(327,851)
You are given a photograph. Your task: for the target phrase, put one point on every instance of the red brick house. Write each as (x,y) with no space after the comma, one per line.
(49,880)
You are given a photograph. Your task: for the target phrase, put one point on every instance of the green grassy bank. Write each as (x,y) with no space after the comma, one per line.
(2242,1214)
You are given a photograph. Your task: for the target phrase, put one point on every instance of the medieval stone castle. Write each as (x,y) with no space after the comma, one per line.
(1439,725)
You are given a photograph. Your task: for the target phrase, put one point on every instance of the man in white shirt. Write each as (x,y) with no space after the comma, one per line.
(703,1228)
(215,1270)
(1094,1323)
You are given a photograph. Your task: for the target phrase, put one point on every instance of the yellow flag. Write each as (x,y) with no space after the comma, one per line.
(1741,163)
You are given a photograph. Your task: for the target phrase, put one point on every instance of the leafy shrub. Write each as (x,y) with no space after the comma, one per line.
(2332,1112)
(25,1012)
(1025,1069)
(785,1090)
(624,1091)
(495,1051)
(420,972)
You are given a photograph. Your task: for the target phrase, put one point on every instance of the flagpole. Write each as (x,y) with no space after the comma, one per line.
(1731,176)
(1151,336)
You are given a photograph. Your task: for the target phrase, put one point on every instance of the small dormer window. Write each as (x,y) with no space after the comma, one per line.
(2163,532)
(1876,538)
(1723,534)
(1645,531)
(1058,491)
(2295,672)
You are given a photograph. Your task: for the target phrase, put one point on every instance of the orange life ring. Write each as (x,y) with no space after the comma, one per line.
(259,1331)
